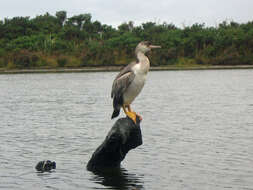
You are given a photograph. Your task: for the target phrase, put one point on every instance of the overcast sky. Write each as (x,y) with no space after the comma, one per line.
(115,12)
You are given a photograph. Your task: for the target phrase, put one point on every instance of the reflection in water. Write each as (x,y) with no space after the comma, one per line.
(118,178)
(42,174)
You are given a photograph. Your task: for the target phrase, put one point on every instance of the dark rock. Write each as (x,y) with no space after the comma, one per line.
(123,136)
(45,166)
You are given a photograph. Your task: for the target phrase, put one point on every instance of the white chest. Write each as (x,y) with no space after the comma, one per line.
(137,84)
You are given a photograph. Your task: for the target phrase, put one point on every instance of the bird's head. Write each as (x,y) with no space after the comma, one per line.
(145,46)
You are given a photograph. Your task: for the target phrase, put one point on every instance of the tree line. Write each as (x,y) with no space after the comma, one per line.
(50,41)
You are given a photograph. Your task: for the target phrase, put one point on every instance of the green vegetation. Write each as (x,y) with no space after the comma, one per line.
(48,41)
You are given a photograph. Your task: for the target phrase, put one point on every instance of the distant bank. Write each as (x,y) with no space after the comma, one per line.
(117,68)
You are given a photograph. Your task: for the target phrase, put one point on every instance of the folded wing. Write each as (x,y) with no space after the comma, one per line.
(122,81)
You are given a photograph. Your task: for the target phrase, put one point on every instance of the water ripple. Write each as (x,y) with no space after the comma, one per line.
(197,131)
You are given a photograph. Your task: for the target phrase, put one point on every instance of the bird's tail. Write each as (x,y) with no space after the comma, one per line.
(117,102)
(115,113)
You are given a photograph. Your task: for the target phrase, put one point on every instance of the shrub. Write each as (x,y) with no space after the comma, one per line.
(49,62)
(73,62)
(62,61)
(2,63)
(24,59)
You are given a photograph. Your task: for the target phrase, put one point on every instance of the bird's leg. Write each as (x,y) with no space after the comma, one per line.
(128,107)
(130,110)
(130,114)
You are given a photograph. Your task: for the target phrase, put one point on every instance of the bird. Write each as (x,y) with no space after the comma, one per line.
(129,82)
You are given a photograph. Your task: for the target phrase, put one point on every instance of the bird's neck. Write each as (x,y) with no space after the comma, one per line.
(143,61)
(141,57)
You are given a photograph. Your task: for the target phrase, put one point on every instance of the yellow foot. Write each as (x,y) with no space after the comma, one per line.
(132,115)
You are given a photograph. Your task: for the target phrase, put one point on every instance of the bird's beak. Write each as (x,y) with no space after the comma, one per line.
(154,47)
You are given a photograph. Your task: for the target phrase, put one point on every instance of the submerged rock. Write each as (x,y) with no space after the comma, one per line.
(45,165)
(123,136)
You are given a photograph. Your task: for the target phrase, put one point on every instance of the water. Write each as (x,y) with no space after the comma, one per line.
(197,131)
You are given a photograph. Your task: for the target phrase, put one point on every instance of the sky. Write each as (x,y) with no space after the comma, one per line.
(115,12)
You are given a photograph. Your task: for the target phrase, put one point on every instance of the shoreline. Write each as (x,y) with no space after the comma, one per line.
(117,68)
